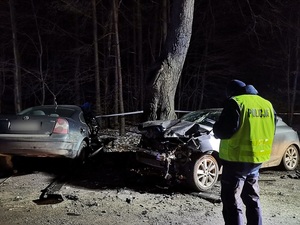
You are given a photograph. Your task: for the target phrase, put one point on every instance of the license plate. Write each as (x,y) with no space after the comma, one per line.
(24,126)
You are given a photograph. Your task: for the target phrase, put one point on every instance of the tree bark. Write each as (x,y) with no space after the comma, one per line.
(2,86)
(40,51)
(118,69)
(96,58)
(297,59)
(140,59)
(77,65)
(164,76)
(17,76)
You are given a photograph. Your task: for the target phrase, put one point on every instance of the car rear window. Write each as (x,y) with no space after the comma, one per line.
(55,112)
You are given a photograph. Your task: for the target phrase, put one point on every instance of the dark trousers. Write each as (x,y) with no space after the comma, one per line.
(239,185)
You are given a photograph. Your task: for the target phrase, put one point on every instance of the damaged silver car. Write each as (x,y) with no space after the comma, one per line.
(56,131)
(187,148)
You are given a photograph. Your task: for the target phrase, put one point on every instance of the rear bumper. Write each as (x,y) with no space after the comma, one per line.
(37,148)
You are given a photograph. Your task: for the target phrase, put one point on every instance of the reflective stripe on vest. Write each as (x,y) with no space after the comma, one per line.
(253,141)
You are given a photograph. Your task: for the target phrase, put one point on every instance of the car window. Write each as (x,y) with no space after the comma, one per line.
(203,117)
(50,111)
(193,116)
(38,112)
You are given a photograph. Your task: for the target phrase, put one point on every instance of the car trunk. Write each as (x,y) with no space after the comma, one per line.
(27,125)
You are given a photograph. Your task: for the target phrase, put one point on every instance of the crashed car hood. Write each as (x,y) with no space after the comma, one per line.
(175,128)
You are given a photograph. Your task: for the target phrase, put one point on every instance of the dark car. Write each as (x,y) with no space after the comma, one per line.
(51,131)
(187,147)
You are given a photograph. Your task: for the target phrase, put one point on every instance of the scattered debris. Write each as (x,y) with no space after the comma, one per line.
(295,175)
(73,214)
(49,194)
(211,197)
(72,197)
(50,199)
(267,180)
(3,180)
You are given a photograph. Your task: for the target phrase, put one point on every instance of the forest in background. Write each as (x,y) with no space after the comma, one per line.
(256,41)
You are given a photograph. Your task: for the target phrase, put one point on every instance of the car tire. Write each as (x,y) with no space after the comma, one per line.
(290,158)
(203,173)
(83,154)
(6,164)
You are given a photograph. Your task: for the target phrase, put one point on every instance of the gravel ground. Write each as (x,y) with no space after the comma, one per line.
(113,189)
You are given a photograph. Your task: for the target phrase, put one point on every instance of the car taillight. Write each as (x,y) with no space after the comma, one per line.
(61,126)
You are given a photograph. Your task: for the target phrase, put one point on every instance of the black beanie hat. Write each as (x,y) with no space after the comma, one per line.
(235,87)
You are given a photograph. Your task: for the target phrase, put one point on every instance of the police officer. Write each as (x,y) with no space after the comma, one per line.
(246,128)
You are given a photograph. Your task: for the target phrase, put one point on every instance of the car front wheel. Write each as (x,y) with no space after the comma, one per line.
(203,173)
(290,158)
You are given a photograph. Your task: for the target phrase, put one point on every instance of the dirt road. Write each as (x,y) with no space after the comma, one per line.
(112,189)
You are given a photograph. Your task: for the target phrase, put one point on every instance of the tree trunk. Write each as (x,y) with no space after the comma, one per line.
(296,75)
(77,66)
(118,69)
(139,91)
(2,86)
(163,78)
(96,58)
(107,58)
(165,18)
(39,48)
(17,76)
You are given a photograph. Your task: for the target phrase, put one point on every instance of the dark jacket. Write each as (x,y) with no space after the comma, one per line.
(228,122)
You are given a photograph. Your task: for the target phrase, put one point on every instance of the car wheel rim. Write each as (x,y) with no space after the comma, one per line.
(291,157)
(207,173)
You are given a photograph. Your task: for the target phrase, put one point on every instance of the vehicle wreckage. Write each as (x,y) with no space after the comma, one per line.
(183,150)
(187,149)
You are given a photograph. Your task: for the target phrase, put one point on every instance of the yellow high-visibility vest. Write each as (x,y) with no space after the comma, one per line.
(252,142)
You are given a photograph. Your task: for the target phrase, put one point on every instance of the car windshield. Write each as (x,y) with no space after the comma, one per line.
(203,117)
